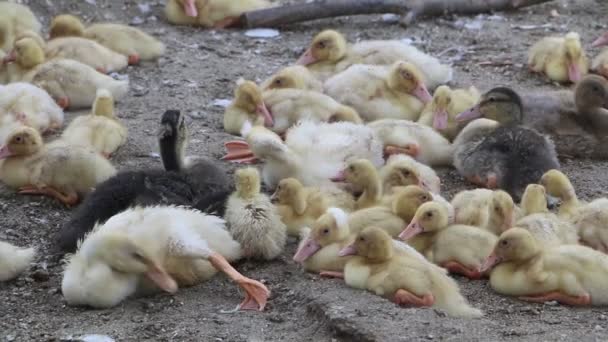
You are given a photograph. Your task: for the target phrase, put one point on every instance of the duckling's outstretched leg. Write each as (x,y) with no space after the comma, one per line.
(559,297)
(102,70)
(406,298)
(256,293)
(458,268)
(410,149)
(239,152)
(63,102)
(134,59)
(332,274)
(69,199)
(226,22)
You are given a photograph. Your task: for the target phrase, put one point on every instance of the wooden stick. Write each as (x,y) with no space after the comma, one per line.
(410,9)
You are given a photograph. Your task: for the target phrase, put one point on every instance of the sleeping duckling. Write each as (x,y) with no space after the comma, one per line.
(568,274)
(252,219)
(197,183)
(600,62)
(128,41)
(87,52)
(156,247)
(210,13)
(248,105)
(493,211)
(381,92)
(405,280)
(101,130)
(441,112)
(15,18)
(461,249)
(362,174)
(71,83)
(418,141)
(558,185)
(294,76)
(59,170)
(14,260)
(301,206)
(329,53)
(33,105)
(402,170)
(562,59)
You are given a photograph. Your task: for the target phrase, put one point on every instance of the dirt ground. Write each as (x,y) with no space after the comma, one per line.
(201,67)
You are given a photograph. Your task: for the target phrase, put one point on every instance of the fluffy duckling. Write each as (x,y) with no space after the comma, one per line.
(461,249)
(405,280)
(252,219)
(128,41)
(558,185)
(362,174)
(210,13)
(14,260)
(248,105)
(15,19)
(600,62)
(196,183)
(59,170)
(403,170)
(101,130)
(32,105)
(301,206)
(71,83)
(87,52)
(493,211)
(329,53)
(591,98)
(301,156)
(155,246)
(418,141)
(441,112)
(568,274)
(381,92)
(294,76)
(562,59)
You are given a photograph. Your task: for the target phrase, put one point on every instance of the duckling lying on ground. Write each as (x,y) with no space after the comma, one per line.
(362,174)
(403,170)
(294,76)
(15,19)
(14,260)
(493,211)
(562,59)
(248,105)
(32,105)
(210,13)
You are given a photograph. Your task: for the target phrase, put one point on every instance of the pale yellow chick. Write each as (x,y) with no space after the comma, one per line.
(248,105)
(210,13)
(295,76)
(562,59)
(14,19)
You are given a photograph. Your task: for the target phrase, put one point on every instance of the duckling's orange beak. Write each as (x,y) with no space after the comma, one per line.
(306,58)
(340,177)
(574,72)
(422,93)
(470,114)
(190,8)
(11,57)
(413,229)
(348,250)
(440,119)
(263,111)
(5,152)
(601,41)
(161,278)
(410,149)
(490,262)
(307,249)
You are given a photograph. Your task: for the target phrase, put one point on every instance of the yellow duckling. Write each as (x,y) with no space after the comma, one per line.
(600,62)
(101,130)
(329,53)
(31,106)
(128,41)
(461,249)
(558,185)
(248,105)
(301,206)
(59,170)
(14,260)
(568,274)
(441,112)
(405,280)
(252,219)
(362,174)
(381,92)
(87,52)
(402,170)
(295,76)
(562,59)
(14,19)
(210,13)
(491,210)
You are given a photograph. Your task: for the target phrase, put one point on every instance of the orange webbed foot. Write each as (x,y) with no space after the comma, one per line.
(559,297)
(332,274)
(458,268)
(238,152)
(69,199)
(406,298)
(256,295)
(63,102)
(134,59)
(492,181)
(410,149)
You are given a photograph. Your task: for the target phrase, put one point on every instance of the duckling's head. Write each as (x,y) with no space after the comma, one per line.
(23,141)
(104,104)
(442,98)
(371,243)
(66,25)
(574,53)
(590,93)
(534,200)
(346,114)
(289,77)
(329,228)
(327,46)
(27,53)
(172,139)
(401,174)
(515,244)
(430,217)
(500,104)
(31,34)
(503,209)
(287,191)
(360,172)
(557,184)
(247,181)
(406,78)
(189,7)
(248,97)
(601,41)
(408,200)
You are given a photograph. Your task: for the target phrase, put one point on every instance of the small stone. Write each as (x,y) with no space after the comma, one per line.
(275,319)
(40,275)
(137,21)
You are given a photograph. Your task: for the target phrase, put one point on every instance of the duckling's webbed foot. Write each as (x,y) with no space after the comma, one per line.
(239,152)
(134,59)
(476,179)
(226,22)
(332,274)
(406,298)
(559,297)
(458,268)
(410,149)
(69,199)
(63,102)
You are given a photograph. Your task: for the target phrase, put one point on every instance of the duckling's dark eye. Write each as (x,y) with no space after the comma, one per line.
(322,44)
(351,168)
(406,173)
(406,74)
(424,198)
(362,239)
(504,243)
(429,215)
(491,99)
(18,139)
(137,256)
(278,82)
(326,231)
(497,208)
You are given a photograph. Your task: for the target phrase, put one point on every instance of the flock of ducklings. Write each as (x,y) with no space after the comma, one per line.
(347,136)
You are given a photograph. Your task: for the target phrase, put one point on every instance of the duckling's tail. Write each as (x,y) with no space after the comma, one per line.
(449,299)
(19,260)
(104,103)
(118,89)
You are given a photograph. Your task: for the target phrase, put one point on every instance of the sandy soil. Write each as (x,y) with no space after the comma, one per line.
(200,67)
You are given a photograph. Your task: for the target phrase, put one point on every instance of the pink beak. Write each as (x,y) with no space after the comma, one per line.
(265,113)
(11,57)
(340,177)
(306,58)
(308,249)
(422,93)
(490,261)
(470,114)
(412,230)
(190,8)
(574,72)
(440,120)
(601,41)
(348,250)
(5,152)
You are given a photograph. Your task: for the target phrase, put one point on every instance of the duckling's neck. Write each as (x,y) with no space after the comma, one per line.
(172,153)
(569,201)
(299,203)
(372,191)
